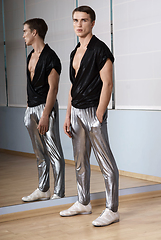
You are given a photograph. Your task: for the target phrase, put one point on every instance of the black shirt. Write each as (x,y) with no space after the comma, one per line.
(38,88)
(87,84)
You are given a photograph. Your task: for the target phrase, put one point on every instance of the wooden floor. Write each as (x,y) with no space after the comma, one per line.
(140,219)
(18,178)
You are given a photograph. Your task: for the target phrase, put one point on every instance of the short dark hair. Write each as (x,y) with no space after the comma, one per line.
(39,25)
(86,9)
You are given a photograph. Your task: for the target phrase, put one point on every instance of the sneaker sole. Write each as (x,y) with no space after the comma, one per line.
(57,197)
(106,224)
(81,213)
(39,199)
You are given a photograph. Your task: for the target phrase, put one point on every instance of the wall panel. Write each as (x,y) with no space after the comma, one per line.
(137,50)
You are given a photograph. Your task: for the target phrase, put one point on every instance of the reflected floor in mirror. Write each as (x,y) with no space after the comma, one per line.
(18,178)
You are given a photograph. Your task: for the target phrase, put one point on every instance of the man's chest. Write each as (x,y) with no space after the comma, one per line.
(78,58)
(32,64)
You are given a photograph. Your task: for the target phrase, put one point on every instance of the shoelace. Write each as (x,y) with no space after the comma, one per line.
(102,212)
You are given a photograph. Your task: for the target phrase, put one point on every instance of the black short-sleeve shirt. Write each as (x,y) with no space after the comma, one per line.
(87,85)
(38,88)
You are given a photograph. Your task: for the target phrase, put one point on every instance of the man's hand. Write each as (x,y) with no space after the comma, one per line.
(43,125)
(99,116)
(66,127)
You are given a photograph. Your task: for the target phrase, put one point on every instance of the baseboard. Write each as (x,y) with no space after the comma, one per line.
(24,154)
(140,176)
(93,167)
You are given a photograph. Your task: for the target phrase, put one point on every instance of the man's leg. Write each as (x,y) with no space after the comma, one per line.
(82,150)
(32,117)
(55,153)
(106,161)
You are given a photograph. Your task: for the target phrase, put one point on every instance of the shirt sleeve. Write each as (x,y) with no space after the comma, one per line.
(102,55)
(53,62)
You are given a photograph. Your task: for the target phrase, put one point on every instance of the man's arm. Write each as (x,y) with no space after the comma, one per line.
(106,77)
(68,116)
(53,80)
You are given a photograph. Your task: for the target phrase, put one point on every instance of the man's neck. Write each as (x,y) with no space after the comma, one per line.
(38,46)
(84,41)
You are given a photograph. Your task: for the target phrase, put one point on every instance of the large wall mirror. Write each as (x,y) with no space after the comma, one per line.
(134,118)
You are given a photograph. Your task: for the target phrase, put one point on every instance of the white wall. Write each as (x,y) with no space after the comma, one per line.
(137,50)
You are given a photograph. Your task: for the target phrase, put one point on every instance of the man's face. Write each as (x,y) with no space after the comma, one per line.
(28,35)
(82,24)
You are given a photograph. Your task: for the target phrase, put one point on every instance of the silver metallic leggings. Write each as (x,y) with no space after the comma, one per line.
(88,132)
(47,148)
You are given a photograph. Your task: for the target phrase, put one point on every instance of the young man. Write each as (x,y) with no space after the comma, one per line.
(86,117)
(41,116)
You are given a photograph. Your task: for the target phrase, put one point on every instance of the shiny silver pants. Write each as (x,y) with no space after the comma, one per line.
(88,132)
(47,148)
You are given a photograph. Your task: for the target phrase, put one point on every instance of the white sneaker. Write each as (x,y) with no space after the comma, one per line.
(55,196)
(107,217)
(37,195)
(77,208)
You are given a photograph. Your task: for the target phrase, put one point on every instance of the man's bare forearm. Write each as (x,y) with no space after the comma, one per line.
(50,101)
(53,81)
(68,112)
(104,98)
(106,76)
(68,116)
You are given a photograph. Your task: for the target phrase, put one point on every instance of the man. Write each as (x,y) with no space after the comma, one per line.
(41,117)
(86,117)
